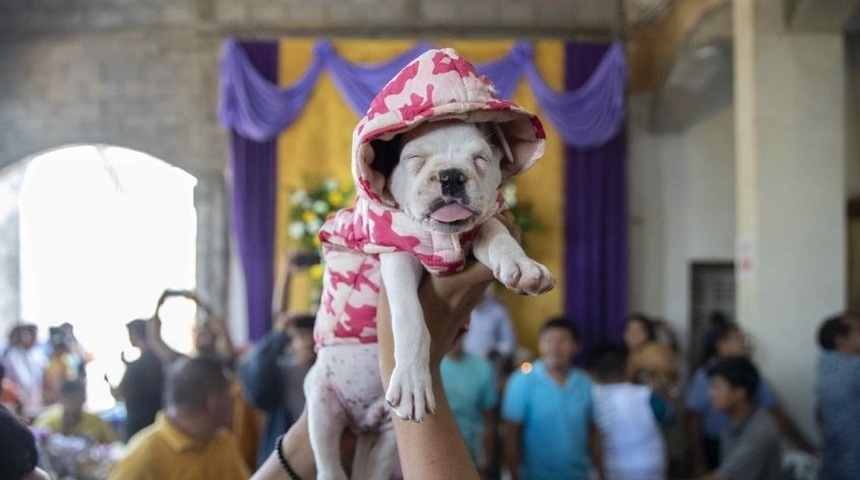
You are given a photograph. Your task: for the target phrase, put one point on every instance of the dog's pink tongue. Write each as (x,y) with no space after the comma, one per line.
(451,213)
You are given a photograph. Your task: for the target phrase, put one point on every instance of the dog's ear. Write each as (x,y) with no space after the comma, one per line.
(500,140)
(380,161)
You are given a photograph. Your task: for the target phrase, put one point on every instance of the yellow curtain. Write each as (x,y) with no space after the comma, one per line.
(318,145)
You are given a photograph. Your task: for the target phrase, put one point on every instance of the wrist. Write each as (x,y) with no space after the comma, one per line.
(285,465)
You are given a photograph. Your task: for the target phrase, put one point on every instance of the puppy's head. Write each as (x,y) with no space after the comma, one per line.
(448,173)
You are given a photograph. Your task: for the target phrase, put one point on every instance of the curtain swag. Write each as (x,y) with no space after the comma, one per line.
(258,109)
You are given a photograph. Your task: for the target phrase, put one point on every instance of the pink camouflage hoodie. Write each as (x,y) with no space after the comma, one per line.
(438,85)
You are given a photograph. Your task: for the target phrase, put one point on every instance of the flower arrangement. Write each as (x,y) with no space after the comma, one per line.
(522,212)
(80,458)
(309,209)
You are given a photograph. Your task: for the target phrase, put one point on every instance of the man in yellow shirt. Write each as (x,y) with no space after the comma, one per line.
(69,418)
(190,439)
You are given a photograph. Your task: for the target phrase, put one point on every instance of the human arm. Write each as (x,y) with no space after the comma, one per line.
(435,448)
(788,428)
(156,343)
(786,425)
(223,347)
(488,441)
(595,442)
(513,437)
(489,404)
(514,415)
(696,450)
(695,403)
(290,264)
(595,439)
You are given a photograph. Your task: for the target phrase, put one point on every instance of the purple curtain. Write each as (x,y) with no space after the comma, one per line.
(595,288)
(260,109)
(253,189)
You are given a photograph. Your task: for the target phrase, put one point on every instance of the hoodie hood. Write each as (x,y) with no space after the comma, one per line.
(438,85)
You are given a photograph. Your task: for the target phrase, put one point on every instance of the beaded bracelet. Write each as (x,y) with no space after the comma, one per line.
(287,468)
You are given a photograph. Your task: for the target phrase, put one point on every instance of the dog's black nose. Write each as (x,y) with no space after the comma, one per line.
(453,182)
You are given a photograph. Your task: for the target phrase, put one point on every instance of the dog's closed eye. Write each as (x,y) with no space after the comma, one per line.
(414,162)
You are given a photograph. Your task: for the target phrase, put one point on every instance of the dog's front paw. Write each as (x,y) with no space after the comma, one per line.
(524,275)
(410,392)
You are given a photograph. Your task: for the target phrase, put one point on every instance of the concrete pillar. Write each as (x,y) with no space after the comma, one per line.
(790,154)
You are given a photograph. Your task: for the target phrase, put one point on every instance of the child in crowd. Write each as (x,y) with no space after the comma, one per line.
(548,411)
(838,396)
(628,417)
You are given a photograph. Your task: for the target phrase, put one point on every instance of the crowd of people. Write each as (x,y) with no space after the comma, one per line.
(630,411)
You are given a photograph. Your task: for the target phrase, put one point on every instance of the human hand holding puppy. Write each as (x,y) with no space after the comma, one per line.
(432,449)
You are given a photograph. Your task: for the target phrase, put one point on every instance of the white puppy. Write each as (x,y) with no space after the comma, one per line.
(447,179)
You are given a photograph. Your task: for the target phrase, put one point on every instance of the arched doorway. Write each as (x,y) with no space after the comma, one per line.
(103,231)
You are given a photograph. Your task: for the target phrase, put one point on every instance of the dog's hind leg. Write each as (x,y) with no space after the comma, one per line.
(326,421)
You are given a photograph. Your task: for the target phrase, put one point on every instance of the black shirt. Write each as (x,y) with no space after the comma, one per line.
(142,388)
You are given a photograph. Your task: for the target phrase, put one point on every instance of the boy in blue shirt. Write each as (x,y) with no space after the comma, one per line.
(547,411)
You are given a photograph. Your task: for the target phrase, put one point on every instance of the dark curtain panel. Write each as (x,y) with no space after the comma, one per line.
(253,187)
(596,254)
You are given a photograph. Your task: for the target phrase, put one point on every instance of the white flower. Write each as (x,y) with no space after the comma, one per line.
(321,207)
(299,196)
(314,225)
(297,229)
(510,194)
(330,184)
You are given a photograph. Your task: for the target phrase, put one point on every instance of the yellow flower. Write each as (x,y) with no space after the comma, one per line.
(335,198)
(316,271)
(316,241)
(308,215)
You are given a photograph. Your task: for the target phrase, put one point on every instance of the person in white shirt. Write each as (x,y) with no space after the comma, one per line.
(628,418)
(25,365)
(491,332)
